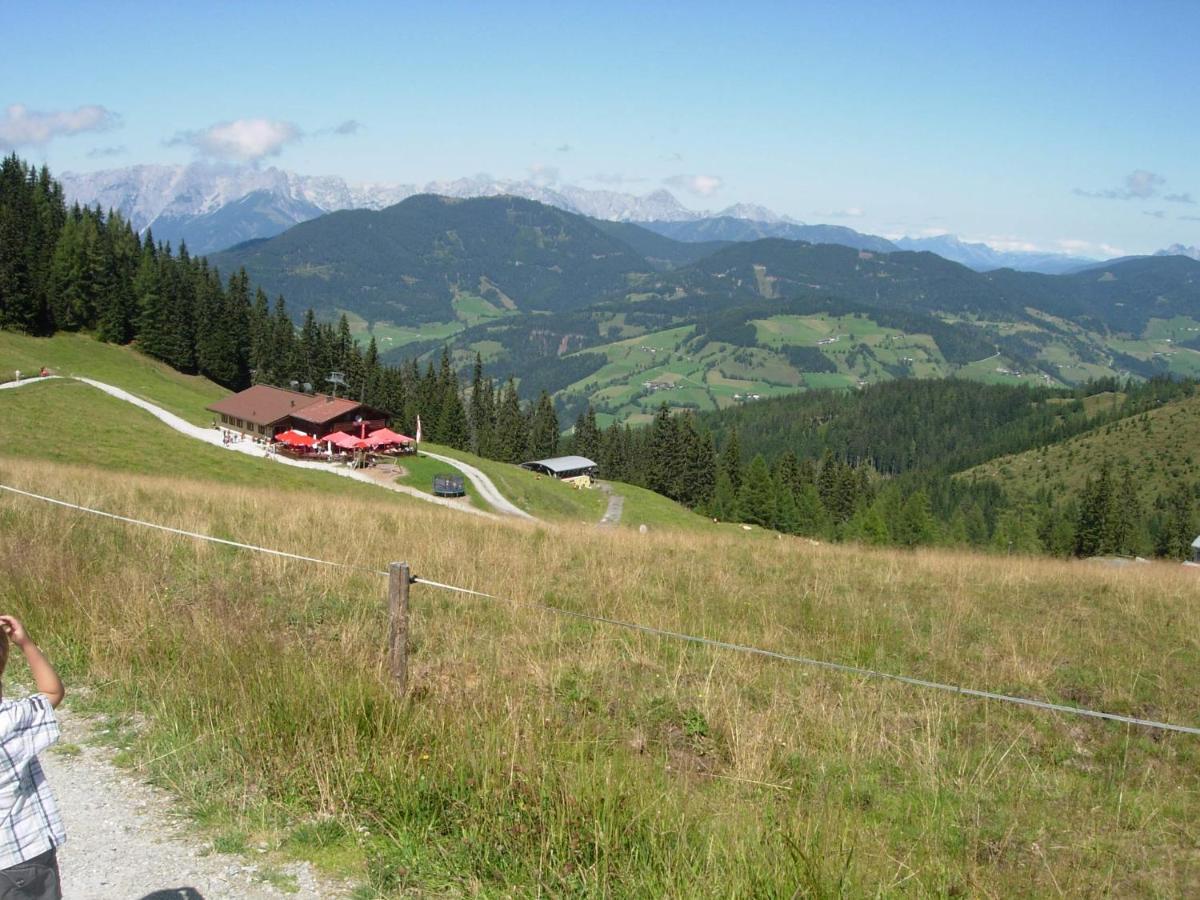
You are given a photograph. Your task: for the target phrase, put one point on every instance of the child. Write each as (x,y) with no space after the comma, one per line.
(30,827)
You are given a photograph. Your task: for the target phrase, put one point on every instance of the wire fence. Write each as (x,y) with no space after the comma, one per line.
(829,665)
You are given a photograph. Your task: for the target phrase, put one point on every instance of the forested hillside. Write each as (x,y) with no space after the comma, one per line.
(412,261)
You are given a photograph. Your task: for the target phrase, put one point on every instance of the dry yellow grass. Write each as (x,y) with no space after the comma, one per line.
(541,754)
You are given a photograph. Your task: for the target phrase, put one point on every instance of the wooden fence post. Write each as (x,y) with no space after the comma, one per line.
(398,581)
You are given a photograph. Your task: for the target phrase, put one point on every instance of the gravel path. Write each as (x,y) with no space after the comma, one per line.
(484,485)
(616,505)
(127,840)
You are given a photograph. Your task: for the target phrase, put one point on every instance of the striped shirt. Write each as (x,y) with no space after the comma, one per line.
(29,820)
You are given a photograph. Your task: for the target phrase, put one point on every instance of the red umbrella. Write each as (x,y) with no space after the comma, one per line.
(340,439)
(295,438)
(382,436)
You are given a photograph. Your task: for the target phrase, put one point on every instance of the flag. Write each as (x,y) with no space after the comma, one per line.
(418,429)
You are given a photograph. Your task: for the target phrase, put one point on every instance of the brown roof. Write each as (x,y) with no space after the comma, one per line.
(326,409)
(263,404)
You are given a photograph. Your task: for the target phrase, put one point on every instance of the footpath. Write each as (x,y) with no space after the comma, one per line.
(127,840)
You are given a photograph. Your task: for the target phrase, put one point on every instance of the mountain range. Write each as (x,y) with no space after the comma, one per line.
(212,207)
(613,313)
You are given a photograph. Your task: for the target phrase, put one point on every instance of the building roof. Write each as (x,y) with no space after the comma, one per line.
(562,463)
(326,409)
(1196,543)
(262,404)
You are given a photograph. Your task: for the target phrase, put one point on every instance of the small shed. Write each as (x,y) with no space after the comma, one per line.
(1196,550)
(577,470)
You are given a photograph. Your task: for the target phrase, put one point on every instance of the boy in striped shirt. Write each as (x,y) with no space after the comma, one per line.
(30,827)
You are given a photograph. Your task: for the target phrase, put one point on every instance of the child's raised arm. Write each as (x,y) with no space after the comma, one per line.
(44,676)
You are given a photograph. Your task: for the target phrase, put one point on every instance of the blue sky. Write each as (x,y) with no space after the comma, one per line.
(1057,126)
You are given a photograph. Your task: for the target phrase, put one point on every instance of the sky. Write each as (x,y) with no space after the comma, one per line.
(1059,126)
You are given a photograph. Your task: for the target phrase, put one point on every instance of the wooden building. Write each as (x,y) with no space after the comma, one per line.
(263,411)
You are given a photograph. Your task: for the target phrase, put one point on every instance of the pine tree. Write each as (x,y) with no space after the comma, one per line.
(915,526)
(811,516)
(724,506)
(663,454)
(478,415)
(452,427)
(787,513)
(867,526)
(702,471)
(511,437)
(586,440)
(731,460)
(756,499)
(543,428)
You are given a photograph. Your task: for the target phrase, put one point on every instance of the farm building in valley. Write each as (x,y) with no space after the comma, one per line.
(264,411)
(577,470)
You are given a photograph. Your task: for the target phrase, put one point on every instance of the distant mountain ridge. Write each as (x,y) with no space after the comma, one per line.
(213,207)
(983,258)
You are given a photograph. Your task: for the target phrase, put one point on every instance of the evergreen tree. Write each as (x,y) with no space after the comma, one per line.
(702,471)
(867,526)
(731,460)
(915,526)
(452,427)
(586,438)
(543,428)
(1175,538)
(811,517)
(756,500)
(724,506)
(511,438)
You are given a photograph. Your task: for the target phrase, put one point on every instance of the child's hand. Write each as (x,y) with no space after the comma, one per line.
(14,629)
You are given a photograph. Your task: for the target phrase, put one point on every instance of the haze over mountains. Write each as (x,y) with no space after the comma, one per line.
(215,206)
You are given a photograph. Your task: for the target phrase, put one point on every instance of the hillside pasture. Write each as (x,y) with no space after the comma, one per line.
(537,754)
(80,354)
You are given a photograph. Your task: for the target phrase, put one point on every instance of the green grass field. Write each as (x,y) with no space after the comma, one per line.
(123,367)
(420,471)
(537,755)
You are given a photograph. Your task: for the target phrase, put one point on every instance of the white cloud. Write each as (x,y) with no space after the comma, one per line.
(563,148)
(850,212)
(244,140)
(543,174)
(614,178)
(1088,248)
(104,152)
(350,126)
(700,185)
(1140,184)
(1179,198)
(1154,213)
(20,125)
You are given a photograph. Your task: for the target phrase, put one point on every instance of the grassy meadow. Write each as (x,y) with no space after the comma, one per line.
(538,755)
(81,354)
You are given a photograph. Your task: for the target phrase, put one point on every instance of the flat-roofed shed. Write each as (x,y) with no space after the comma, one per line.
(578,469)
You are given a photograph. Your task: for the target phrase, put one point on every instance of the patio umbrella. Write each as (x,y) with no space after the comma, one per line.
(295,438)
(382,436)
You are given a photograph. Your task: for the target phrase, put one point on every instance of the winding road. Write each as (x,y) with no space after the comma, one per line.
(485,487)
